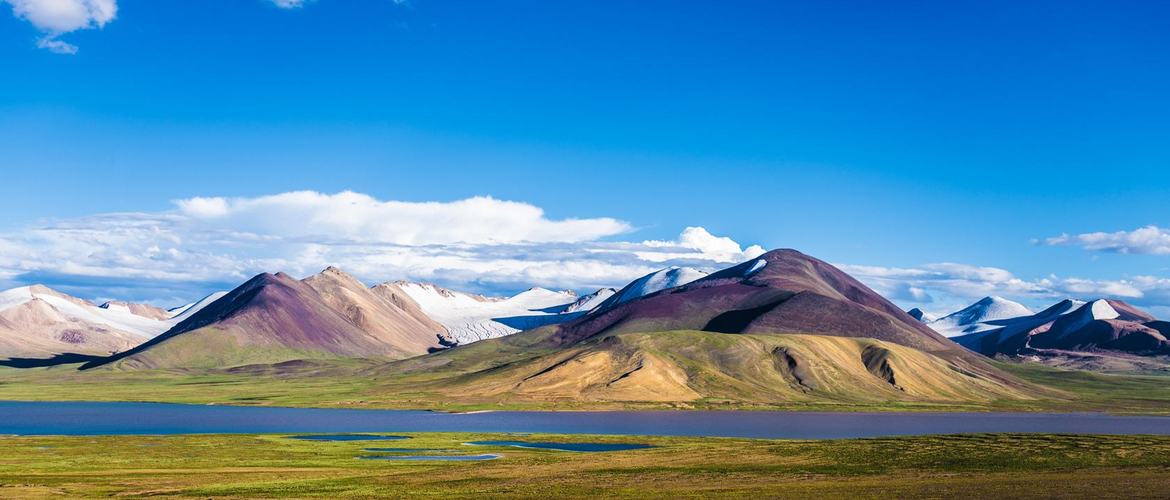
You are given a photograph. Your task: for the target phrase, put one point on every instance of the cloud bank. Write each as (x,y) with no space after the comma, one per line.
(1150,240)
(481,244)
(950,285)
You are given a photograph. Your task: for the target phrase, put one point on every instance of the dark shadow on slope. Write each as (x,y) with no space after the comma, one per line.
(537,320)
(738,321)
(59,359)
(558,309)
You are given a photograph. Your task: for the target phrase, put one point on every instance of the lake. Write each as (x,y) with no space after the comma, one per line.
(83,418)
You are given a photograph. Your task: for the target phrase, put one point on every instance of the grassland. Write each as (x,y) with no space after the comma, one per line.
(484,376)
(999,466)
(357,384)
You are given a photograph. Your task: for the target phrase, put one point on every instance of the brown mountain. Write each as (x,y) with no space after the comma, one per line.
(392,293)
(274,317)
(781,291)
(782,327)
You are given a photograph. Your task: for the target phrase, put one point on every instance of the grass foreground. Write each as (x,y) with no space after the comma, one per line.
(265,466)
(365,384)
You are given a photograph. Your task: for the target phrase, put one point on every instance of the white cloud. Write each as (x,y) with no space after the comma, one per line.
(58,17)
(360,218)
(480,243)
(296,4)
(57,46)
(698,243)
(289,4)
(1147,240)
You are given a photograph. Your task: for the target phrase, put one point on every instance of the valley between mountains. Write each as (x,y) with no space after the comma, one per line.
(784,330)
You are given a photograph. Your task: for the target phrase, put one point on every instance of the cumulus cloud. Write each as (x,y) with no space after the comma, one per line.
(58,17)
(360,218)
(1151,240)
(481,244)
(697,242)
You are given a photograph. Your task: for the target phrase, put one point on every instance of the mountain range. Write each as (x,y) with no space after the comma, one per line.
(994,326)
(782,326)
(274,317)
(37,321)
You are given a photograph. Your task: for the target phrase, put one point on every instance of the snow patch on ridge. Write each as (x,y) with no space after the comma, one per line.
(655,282)
(756,266)
(115,316)
(469,318)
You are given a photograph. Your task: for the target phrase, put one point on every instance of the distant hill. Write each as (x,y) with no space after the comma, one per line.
(39,322)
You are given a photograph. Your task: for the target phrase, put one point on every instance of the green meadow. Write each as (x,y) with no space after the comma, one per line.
(267,466)
(367,384)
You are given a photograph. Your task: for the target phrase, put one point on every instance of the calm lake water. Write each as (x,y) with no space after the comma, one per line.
(44,418)
(349,437)
(578,447)
(434,458)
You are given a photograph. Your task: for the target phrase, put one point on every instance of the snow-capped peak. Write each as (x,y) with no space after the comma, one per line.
(657,281)
(1089,312)
(755,268)
(974,318)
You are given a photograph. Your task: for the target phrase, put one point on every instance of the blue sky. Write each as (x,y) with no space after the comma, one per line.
(898,136)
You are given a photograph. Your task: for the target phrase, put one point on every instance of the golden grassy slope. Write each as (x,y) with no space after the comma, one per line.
(689,366)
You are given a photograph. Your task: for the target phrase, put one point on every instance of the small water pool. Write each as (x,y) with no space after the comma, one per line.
(579,447)
(441,458)
(403,450)
(349,437)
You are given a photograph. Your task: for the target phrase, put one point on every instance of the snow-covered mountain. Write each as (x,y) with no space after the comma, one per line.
(656,281)
(587,303)
(1074,325)
(470,318)
(978,317)
(37,321)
